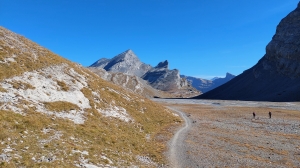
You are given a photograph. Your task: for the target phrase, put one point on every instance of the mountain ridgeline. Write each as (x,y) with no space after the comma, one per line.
(159,77)
(205,85)
(276,76)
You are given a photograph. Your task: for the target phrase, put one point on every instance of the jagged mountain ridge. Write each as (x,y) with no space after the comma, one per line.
(55,112)
(276,75)
(205,85)
(159,77)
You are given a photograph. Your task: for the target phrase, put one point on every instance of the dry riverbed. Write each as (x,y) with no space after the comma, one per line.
(224,134)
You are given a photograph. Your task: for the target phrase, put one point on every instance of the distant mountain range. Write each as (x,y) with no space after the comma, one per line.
(276,76)
(159,77)
(205,85)
(215,78)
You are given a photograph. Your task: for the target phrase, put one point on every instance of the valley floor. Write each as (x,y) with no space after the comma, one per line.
(221,133)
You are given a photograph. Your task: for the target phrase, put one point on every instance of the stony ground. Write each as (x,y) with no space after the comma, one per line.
(225,134)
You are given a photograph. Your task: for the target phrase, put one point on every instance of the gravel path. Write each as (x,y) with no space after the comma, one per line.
(177,142)
(221,133)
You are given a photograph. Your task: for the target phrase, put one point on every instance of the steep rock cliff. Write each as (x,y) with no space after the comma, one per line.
(276,75)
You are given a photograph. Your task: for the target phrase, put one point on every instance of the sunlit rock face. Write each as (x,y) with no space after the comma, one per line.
(126,62)
(276,76)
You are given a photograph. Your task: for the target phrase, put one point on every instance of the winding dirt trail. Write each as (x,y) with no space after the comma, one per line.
(176,152)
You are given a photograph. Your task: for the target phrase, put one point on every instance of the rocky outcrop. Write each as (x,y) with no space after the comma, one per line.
(205,85)
(276,76)
(164,64)
(162,78)
(126,62)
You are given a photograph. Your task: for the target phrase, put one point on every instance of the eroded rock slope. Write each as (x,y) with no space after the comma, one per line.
(131,83)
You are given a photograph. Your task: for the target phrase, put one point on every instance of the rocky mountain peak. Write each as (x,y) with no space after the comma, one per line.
(229,75)
(128,55)
(159,77)
(126,62)
(129,51)
(163,64)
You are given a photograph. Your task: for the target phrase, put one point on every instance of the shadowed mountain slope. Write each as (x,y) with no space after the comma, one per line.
(276,76)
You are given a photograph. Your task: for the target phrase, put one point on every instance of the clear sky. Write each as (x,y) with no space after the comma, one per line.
(201,38)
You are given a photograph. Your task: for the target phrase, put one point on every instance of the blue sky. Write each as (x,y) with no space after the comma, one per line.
(201,38)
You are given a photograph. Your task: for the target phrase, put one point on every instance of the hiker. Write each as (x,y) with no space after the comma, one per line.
(253,114)
(270,114)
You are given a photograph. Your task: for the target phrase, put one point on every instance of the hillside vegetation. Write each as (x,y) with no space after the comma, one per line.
(56,113)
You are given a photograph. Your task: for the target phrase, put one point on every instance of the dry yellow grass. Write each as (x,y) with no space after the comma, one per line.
(60,106)
(97,136)
(24,60)
(100,136)
(63,85)
(2,89)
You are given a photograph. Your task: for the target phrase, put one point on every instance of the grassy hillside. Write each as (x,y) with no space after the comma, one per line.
(56,113)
